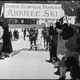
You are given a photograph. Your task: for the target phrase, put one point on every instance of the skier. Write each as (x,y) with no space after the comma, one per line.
(33,38)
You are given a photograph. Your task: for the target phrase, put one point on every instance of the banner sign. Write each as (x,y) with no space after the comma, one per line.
(18,10)
(70,19)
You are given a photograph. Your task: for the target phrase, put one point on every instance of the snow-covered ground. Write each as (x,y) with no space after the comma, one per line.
(25,64)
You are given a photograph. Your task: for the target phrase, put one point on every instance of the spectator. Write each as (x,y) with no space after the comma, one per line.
(52,44)
(68,35)
(7,46)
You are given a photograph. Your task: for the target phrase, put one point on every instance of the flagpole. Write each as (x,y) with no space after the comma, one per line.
(2,9)
(66,18)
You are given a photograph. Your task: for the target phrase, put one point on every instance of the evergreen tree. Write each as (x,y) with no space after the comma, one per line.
(78,15)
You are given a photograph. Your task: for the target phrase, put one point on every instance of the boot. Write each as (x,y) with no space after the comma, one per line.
(30,48)
(3,55)
(62,78)
(7,55)
(46,48)
(35,48)
(57,72)
(50,60)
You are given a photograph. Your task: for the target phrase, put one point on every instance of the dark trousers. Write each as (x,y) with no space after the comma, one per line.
(33,41)
(53,52)
(44,38)
(47,43)
(1,44)
(52,49)
(24,36)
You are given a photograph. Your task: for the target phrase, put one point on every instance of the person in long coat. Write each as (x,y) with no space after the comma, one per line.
(7,46)
(52,44)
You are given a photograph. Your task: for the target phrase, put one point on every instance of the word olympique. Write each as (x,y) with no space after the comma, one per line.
(14,10)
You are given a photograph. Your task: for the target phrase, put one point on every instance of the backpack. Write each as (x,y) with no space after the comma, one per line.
(67,33)
(71,44)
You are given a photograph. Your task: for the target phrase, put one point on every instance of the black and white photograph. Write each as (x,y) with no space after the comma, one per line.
(40,39)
